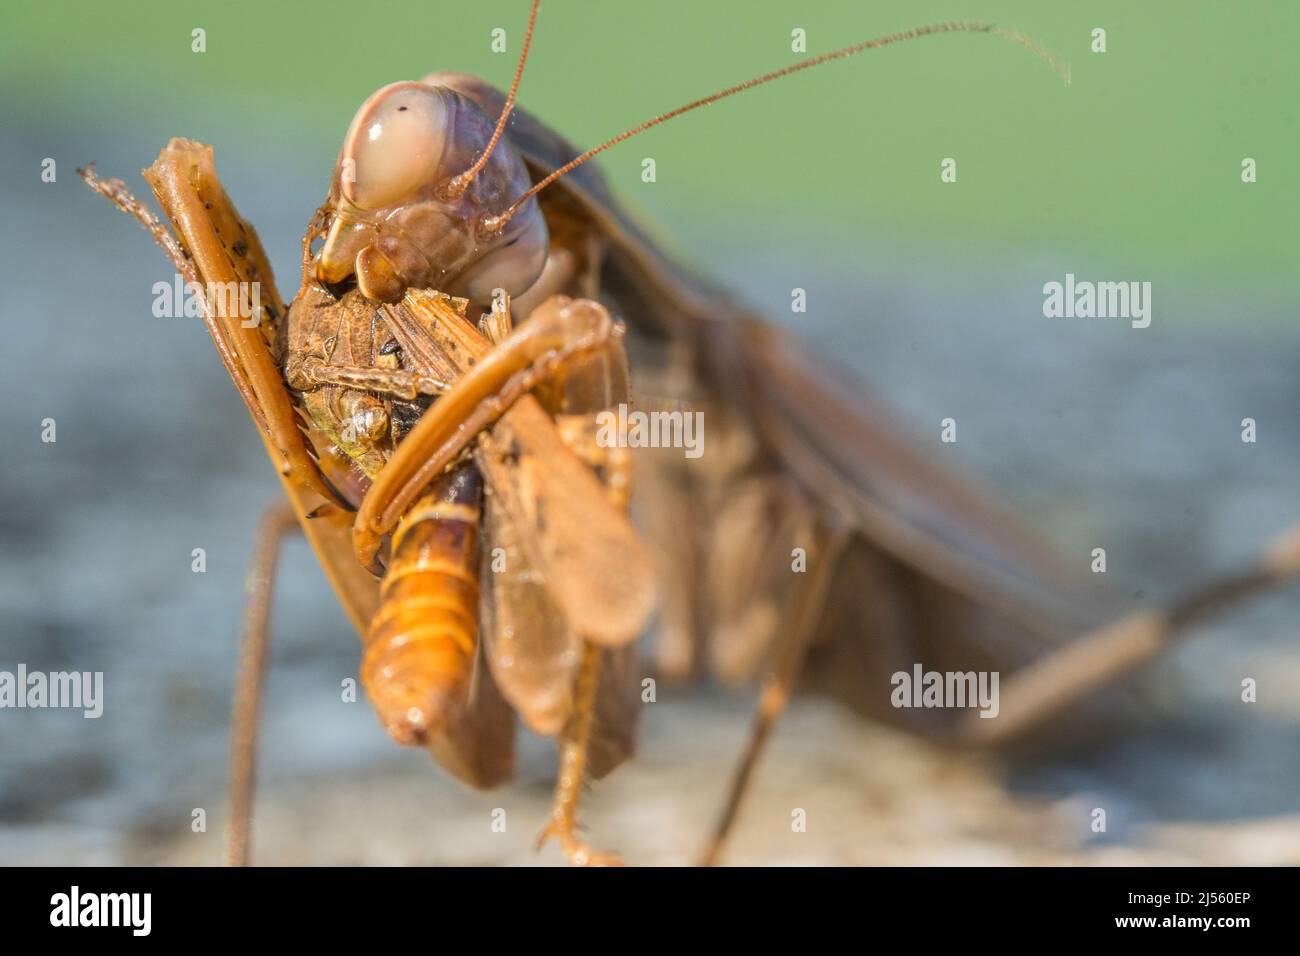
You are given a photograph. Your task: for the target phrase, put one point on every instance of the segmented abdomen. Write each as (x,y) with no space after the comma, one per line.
(420,645)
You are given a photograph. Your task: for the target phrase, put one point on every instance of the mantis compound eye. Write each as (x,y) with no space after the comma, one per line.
(394,145)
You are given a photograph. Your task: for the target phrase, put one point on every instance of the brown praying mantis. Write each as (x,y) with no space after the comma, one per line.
(472,300)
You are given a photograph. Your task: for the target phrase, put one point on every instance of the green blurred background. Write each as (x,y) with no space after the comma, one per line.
(1185,91)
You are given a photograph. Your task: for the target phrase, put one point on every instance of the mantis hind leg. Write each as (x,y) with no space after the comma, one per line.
(800,623)
(1042,691)
(254,650)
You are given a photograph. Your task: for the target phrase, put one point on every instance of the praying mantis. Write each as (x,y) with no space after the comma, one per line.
(472,302)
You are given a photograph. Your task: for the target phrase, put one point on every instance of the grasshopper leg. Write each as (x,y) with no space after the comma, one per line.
(573,767)
(604,376)
(829,539)
(396,382)
(277,523)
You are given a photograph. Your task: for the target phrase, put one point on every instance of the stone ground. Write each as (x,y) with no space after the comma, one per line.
(870,797)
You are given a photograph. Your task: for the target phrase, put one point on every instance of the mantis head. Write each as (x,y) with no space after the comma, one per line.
(417,199)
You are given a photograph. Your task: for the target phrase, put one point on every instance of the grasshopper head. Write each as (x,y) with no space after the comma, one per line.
(397,221)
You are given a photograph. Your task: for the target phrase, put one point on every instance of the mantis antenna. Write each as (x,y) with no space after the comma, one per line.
(460,182)
(493,224)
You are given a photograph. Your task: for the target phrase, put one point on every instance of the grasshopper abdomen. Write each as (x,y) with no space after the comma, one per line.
(421,643)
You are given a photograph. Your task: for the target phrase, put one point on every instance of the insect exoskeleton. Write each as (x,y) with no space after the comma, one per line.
(420,646)
(401,219)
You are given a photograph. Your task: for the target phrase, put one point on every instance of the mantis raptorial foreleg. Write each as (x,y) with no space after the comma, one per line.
(485,392)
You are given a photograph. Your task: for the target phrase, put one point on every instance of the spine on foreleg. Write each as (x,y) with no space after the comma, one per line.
(419,648)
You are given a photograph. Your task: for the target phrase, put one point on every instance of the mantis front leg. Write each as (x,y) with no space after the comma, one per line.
(489,388)
(578,535)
